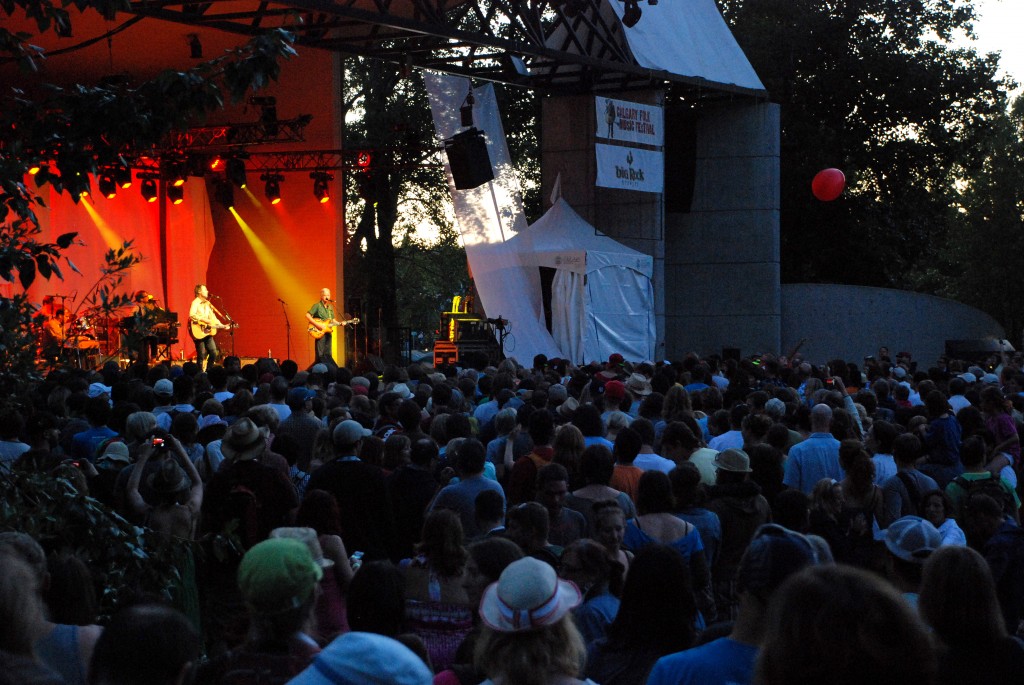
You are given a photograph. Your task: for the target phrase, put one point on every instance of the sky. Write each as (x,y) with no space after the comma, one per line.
(998,29)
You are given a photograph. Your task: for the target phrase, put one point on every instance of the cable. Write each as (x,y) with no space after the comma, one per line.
(85,43)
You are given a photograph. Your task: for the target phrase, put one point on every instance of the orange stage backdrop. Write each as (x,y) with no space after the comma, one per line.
(250,256)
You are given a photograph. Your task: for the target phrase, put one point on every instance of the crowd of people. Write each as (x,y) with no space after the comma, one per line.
(696,521)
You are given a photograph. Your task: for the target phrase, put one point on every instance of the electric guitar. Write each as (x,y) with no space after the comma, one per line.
(201,329)
(316,333)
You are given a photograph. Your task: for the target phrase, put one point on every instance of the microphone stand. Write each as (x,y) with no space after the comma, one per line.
(287,328)
(231,329)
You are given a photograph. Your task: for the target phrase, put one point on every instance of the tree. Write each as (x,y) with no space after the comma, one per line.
(979,263)
(401,190)
(875,88)
(402,276)
(70,133)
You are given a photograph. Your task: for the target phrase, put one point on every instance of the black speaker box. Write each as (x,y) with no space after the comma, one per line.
(467,156)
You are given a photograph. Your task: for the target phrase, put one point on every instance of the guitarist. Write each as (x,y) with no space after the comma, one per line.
(202,317)
(322,316)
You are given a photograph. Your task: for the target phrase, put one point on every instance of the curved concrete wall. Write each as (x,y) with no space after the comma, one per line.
(850,321)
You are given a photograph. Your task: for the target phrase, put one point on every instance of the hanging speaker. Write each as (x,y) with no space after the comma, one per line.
(468,159)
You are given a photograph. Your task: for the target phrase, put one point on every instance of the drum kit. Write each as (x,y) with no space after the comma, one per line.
(85,339)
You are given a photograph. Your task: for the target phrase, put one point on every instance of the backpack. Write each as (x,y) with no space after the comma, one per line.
(992,486)
(244,506)
(915,492)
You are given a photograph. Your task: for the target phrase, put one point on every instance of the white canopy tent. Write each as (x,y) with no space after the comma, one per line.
(602,299)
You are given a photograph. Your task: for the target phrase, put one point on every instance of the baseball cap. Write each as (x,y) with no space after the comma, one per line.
(774,554)
(912,538)
(349,432)
(163,387)
(615,390)
(278,574)
(297,396)
(365,659)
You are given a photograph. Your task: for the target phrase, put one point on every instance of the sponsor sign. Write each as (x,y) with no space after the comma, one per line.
(630,168)
(630,122)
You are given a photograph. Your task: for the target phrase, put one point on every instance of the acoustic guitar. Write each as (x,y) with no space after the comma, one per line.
(202,329)
(316,333)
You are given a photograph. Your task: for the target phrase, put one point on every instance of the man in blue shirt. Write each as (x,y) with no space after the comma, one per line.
(816,457)
(775,553)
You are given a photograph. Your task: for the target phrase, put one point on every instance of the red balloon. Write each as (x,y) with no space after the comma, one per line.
(828,184)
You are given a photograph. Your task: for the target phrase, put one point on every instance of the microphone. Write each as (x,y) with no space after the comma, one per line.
(329,300)
(281,301)
(215,297)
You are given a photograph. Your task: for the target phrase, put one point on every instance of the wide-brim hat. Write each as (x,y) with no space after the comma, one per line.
(528,596)
(243,440)
(308,537)
(638,384)
(567,408)
(116,451)
(733,460)
(169,479)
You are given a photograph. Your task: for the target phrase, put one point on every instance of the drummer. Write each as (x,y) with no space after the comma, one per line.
(53,330)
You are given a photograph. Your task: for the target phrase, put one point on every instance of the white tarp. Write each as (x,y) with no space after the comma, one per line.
(602,298)
(489,215)
(688,38)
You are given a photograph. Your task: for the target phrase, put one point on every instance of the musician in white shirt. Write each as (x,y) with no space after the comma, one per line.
(203,325)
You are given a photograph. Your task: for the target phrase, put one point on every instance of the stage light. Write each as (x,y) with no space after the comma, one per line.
(631,14)
(363,158)
(123,176)
(321,191)
(224,194)
(272,189)
(149,190)
(33,170)
(108,188)
(176,172)
(216,164)
(176,194)
(236,171)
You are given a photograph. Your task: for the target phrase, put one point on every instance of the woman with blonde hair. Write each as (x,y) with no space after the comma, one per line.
(437,608)
(863,505)
(568,449)
(529,637)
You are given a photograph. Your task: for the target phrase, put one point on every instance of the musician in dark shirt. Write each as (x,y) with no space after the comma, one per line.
(321,318)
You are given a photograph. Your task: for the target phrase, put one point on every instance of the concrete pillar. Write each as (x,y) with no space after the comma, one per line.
(568,126)
(721,258)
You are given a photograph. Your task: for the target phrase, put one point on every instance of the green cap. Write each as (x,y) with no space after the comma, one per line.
(277,575)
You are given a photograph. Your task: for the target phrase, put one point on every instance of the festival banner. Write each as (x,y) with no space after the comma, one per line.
(630,122)
(630,168)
